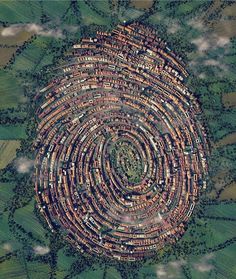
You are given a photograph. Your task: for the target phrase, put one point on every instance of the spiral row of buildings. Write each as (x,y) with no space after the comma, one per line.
(121,151)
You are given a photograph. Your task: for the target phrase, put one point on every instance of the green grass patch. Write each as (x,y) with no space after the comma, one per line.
(27,219)
(19,11)
(220,264)
(64,261)
(224,262)
(11,132)
(102,5)
(220,231)
(6,192)
(112,273)
(38,270)
(55,9)
(221,210)
(90,274)
(5,234)
(8,151)
(6,237)
(187,8)
(89,16)
(11,92)
(12,269)
(33,56)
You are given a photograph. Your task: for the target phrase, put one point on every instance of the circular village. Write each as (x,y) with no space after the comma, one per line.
(121,151)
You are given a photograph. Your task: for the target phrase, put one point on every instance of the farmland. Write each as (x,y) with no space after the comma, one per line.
(12,132)
(11,92)
(8,151)
(203,33)
(229,100)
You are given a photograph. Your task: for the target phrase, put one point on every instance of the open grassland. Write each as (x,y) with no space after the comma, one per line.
(6,192)
(141,4)
(27,219)
(89,274)
(229,100)
(38,270)
(229,192)
(99,273)
(229,139)
(187,7)
(221,210)
(33,55)
(218,265)
(61,8)
(219,231)
(9,44)
(18,269)
(13,12)
(89,16)
(6,54)
(102,5)
(15,40)
(6,235)
(63,263)
(12,132)
(13,268)
(11,92)
(8,151)
(224,262)
(226,25)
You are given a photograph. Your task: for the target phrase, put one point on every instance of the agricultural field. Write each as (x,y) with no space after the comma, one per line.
(39,35)
(8,151)
(229,192)
(12,132)
(11,91)
(229,100)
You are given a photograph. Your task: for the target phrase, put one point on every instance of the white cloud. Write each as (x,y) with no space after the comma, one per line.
(14,29)
(197,24)
(10,31)
(203,265)
(222,41)
(7,247)
(161,271)
(216,63)
(177,264)
(210,41)
(23,164)
(202,75)
(173,28)
(41,250)
(170,270)
(71,28)
(211,62)
(205,44)
(201,43)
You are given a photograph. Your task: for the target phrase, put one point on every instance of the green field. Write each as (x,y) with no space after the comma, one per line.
(26,218)
(11,91)
(6,192)
(8,151)
(12,132)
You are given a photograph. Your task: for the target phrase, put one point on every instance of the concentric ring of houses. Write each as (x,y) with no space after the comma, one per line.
(123,85)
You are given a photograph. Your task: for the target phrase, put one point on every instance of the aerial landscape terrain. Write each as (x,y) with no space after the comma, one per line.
(118,139)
